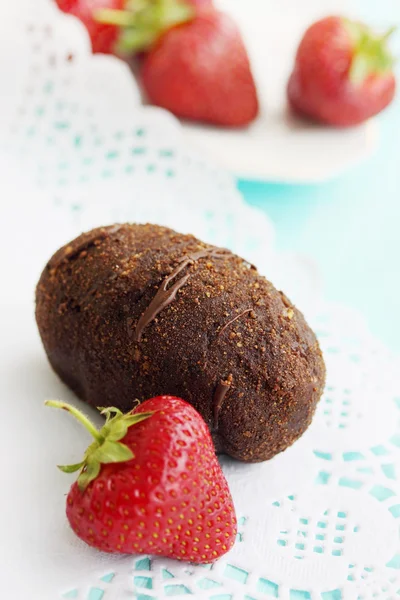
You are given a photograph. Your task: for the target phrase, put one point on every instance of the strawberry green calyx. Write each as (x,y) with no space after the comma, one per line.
(106,447)
(371,53)
(142,22)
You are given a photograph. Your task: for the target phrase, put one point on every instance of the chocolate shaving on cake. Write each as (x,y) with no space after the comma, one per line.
(248,310)
(165,295)
(219,397)
(213,252)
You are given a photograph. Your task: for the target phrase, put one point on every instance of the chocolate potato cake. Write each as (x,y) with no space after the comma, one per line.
(133,311)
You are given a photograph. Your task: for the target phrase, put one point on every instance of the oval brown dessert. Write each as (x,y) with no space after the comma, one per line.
(134,311)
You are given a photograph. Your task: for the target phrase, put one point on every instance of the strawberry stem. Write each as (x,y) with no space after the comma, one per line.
(79,416)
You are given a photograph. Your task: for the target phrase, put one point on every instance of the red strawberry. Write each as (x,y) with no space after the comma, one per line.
(126,26)
(151,483)
(200,70)
(342,74)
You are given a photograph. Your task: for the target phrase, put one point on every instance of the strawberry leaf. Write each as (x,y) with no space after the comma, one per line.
(110,16)
(133,419)
(88,474)
(71,468)
(108,412)
(112,452)
(117,431)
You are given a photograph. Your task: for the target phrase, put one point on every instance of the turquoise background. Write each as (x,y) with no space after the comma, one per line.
(350,226)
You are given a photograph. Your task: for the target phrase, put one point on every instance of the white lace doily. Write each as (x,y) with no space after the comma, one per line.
(318,521)
(77,150)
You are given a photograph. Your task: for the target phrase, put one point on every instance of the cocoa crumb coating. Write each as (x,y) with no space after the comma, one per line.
(228,342)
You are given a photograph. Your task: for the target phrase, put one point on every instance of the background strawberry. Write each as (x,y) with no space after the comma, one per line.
(151,483)
(196,64)
(200,70)
(343,73)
